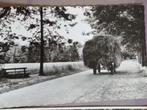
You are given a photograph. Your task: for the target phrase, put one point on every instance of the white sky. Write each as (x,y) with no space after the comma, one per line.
(75,32)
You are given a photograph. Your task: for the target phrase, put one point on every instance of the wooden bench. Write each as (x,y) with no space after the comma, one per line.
(15,72)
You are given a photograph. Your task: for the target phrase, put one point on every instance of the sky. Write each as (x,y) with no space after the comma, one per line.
(75,32)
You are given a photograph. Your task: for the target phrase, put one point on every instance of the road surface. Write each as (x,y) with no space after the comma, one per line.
(81,88)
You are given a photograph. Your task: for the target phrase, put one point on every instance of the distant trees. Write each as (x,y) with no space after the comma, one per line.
(34,52)
(4,47)
(74,55)
(54,53)
(24,54)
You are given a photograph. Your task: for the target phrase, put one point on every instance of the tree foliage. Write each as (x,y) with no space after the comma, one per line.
(120,20)
(126,21)
(29,17)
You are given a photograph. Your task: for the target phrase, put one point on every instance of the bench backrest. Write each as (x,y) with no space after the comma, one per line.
(14,68)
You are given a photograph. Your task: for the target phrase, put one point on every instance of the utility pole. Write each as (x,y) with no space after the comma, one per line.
(41,73)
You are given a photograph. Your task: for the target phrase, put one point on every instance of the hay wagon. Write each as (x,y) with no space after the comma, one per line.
(102,51)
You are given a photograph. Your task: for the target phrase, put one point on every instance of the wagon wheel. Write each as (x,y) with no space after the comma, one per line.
(112,68)
(99,68)
(112,71)
(94,70)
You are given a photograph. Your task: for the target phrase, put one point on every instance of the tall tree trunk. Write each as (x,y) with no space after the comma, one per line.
(14,55)
(41,73)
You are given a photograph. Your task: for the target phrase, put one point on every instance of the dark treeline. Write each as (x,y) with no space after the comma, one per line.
(53,52)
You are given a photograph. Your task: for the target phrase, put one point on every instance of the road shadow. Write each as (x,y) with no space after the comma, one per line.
(109,73)
(16,76)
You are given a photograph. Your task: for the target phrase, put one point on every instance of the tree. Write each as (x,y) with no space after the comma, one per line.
(74,55)
(60,12)
(121,20)
(8,15)
(34,52)
(4,47)
(31,14)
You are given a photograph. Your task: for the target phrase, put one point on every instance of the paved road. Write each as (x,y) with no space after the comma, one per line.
(79,88)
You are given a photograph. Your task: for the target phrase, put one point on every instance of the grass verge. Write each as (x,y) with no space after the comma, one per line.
(8,84)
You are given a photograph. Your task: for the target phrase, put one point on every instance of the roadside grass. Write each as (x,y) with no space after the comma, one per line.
(59,69)
(51,70)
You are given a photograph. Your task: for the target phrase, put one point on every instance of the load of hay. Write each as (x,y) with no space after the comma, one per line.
(102,50)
